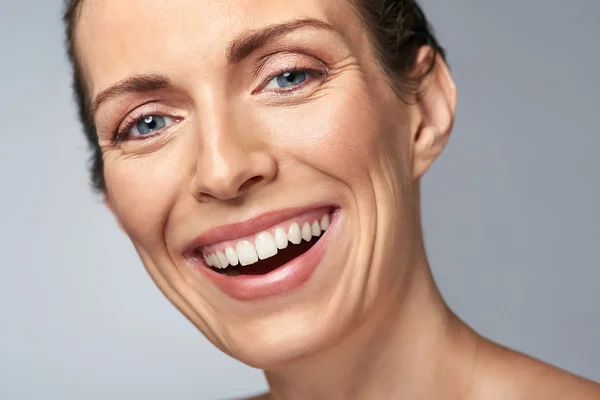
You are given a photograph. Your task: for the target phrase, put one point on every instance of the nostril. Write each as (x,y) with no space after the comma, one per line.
(251,182)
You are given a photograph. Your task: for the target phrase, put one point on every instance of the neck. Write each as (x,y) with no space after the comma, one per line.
(414,347)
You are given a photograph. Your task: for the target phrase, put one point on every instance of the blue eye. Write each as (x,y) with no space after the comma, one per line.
(287,79)
(143,125)
(149,124)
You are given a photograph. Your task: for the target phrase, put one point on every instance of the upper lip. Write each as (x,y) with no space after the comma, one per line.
(248,227)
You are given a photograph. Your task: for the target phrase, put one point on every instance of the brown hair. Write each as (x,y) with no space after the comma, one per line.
(398,28)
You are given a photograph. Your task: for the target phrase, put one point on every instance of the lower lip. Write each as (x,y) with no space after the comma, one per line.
(286,278)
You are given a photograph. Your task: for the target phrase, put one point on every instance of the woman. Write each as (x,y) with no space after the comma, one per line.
(265,162)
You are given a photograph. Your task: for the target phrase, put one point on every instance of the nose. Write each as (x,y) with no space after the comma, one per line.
(230,162)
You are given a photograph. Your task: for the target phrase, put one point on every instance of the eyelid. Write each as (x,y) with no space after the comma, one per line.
(292,62)
(313,74)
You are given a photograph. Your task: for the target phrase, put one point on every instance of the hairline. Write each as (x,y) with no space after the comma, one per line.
(74,11)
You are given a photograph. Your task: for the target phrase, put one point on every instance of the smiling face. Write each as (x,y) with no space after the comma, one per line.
(224,124)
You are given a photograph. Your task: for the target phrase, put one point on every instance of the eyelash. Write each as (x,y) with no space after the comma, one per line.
(120,134)
(311,72)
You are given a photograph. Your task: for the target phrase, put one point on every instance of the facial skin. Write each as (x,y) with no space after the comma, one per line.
(236,146)
(369,323)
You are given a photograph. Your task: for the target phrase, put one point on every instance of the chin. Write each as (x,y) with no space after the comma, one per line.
(286,339)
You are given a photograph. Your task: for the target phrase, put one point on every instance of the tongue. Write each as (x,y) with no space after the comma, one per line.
(283,256)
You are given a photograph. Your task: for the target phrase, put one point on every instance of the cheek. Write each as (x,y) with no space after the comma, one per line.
(142,190)
(340,134)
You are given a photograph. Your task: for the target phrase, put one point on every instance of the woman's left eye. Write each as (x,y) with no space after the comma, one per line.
(288,80)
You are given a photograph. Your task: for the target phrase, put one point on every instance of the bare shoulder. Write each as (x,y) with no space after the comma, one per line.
(554,383)
(510,374)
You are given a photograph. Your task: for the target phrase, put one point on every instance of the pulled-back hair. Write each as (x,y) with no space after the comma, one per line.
(398,29)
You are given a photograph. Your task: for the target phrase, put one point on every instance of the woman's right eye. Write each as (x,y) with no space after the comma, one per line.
(147,125)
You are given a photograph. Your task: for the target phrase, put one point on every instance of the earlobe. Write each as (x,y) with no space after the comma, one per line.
(437,106)
(428,145)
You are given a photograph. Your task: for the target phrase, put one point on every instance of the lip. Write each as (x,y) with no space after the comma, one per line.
(286,278)
(250,226)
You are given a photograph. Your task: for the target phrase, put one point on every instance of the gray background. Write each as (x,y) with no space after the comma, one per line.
(510,211)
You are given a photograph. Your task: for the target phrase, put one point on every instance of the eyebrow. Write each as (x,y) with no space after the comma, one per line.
(237,50)
(243,46)
(134,84)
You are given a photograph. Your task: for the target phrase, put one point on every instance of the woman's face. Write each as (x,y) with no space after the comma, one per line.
(222,122)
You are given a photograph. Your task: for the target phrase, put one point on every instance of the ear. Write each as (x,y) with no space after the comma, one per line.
(437,105)
(109,205)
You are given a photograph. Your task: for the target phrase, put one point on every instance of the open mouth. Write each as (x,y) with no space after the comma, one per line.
(268,250)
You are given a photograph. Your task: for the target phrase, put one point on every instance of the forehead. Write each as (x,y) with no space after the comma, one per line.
(116,39)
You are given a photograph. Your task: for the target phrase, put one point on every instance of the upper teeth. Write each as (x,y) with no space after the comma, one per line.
(265,244)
